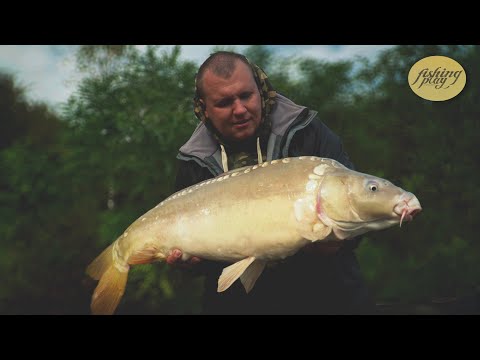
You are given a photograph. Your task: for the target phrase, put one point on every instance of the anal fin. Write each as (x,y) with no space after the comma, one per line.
(250,276)
(233,272)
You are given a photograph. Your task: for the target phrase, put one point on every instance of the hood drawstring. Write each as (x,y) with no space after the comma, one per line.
(225,158)
(259,152)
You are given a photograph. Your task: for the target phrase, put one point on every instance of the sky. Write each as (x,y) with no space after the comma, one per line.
(48,71)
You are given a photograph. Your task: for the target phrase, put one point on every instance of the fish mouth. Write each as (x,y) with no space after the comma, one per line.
(407,207)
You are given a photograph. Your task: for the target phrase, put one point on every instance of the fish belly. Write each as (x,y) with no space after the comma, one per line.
(263,228)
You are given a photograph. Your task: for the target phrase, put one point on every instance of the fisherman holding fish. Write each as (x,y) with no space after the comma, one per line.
(244,121)
(264,190)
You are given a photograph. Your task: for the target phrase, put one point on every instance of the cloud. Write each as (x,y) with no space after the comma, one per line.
(48,71)
(342,52)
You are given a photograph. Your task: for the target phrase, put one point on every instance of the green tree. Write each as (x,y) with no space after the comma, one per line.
(33,210)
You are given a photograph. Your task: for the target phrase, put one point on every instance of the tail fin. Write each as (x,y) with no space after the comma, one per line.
(112,283)
(101,264)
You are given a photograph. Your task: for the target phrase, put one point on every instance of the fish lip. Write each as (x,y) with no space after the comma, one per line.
(411,210)
(415,211)
(410,204)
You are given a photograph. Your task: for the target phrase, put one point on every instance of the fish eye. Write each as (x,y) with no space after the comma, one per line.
(373,186)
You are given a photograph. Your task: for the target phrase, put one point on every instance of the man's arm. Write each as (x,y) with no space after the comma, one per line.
(318,140)
(190,173)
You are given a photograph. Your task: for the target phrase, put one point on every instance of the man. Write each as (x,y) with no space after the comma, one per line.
(243,122)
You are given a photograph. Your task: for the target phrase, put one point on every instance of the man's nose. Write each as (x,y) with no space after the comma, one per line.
(239,108)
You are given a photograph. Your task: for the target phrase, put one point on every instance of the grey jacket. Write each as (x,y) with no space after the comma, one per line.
(287,118)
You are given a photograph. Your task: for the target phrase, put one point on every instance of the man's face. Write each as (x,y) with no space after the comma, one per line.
(233,105)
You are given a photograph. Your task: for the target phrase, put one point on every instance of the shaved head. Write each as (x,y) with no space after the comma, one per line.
(221,64)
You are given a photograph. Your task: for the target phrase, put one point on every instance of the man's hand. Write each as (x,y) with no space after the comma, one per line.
(175,259)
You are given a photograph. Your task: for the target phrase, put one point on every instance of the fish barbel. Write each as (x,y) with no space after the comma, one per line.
(250,216)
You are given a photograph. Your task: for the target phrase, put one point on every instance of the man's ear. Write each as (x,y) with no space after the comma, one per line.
(204,107)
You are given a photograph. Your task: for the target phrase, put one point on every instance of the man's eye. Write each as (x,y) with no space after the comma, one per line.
(223,103)
(245,95)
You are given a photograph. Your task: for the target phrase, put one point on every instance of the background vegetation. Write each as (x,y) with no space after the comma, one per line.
(72,181)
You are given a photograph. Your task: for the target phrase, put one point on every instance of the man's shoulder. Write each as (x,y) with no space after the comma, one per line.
(319,140)
(286,114)
(314,125)
(311,129)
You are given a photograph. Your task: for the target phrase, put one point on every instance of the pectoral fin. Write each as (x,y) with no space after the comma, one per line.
(307,221)
(250,276)
(319,231)
(232,273)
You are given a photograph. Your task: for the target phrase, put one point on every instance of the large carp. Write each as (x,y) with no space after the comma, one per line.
(250,216)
